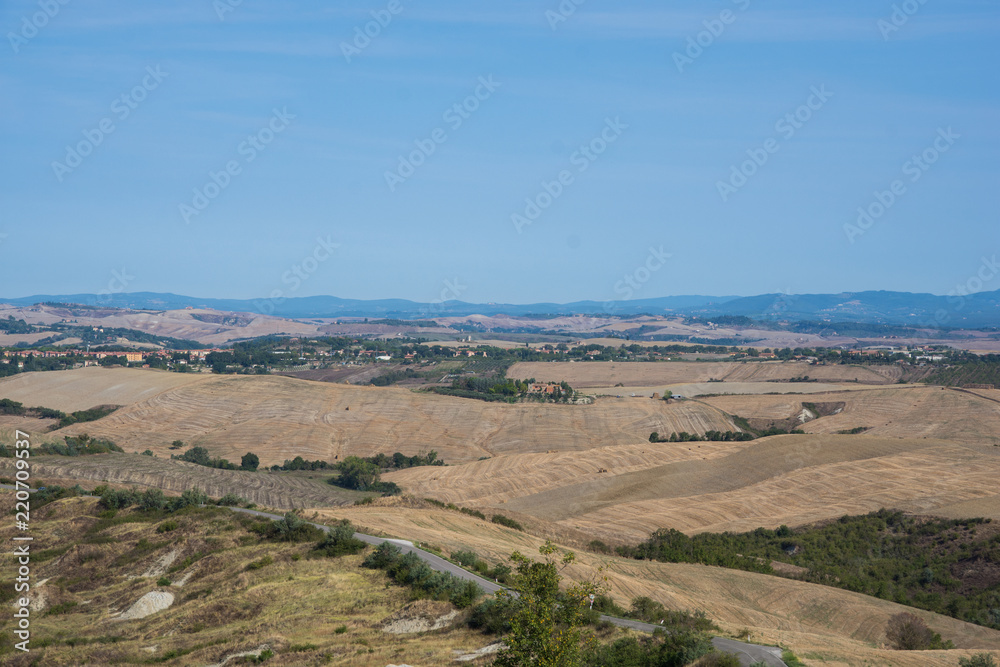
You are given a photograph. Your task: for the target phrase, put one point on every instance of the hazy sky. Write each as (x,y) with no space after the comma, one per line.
(229,149)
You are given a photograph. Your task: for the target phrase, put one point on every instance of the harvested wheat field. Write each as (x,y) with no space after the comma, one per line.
(85,388)
(503,478)
(716,486)
(279,418)
(822,625)
(899,411)
(584,374)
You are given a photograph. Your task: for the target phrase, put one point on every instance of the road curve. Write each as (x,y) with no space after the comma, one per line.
(747,653)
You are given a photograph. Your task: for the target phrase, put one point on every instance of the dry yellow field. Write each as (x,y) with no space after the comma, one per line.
(583,374)
(898,411)
(822,625)
(717,486)
(279,418)
(88,387)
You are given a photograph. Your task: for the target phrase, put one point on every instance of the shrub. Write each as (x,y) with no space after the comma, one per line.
(599,547)
(715,659)
(231,500)
(340,541)
(410,570)
(465,558)
(908,632)
(666,650)
(472,512)
(340,629)
(167,526)
(151,499)
(190,497)
(258,564)
(163,581)
(493,615)
(978,660)
(506,521)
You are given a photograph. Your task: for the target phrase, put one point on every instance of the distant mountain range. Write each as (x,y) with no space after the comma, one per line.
(900,308)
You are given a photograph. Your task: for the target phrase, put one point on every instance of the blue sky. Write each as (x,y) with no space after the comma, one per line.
(654,198)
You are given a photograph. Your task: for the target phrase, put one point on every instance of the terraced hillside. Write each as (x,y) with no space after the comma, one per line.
(823,625)
(279,418)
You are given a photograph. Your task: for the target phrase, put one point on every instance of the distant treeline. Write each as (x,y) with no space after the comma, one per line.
(79,445)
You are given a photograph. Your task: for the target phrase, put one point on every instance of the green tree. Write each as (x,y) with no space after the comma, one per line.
(978,660)
(356,473)
(250,461)
(545,624)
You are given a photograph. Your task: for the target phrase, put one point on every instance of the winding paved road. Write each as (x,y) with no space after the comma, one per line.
(747,653)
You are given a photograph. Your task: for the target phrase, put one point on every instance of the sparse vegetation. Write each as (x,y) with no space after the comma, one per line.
(409,570)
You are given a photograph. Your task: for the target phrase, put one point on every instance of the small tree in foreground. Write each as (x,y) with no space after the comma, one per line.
(545,624)
(978,660)
(908,632)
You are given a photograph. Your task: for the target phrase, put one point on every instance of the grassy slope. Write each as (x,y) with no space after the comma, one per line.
(221,609)
(835,627)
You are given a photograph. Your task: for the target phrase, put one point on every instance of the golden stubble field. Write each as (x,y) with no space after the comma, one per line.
(706,486)
(279,418)
(584,374)
(823,625)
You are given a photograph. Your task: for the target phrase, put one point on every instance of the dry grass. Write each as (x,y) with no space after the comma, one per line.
(642,374)
(897,411)
(279,418)
(85,388)
(222,608)
(817,622)
(714,486)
